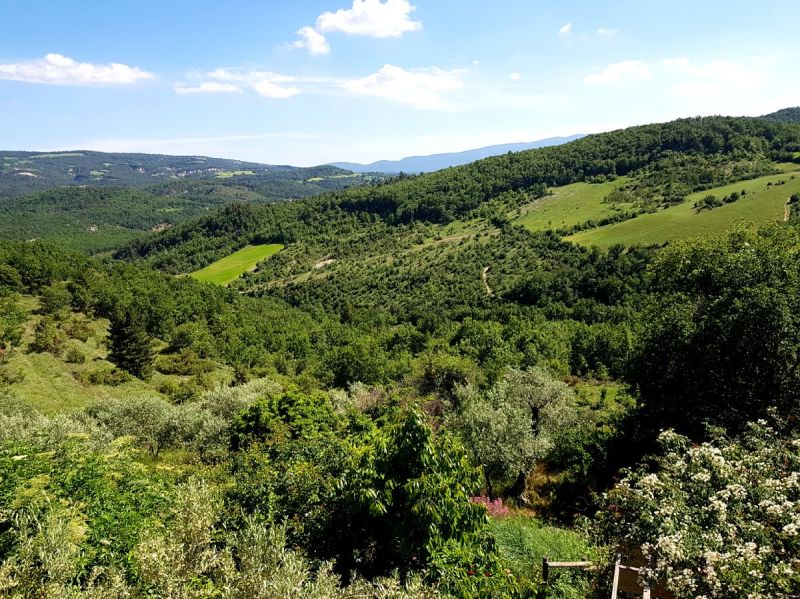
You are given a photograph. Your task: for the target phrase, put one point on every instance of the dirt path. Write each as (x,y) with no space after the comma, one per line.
(484,276)
(787,211)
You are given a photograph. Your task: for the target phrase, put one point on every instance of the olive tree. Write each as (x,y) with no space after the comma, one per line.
(514,424)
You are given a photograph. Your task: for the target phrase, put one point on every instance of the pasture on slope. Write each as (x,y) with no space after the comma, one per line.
(763,203)
(571,205)
(228,269)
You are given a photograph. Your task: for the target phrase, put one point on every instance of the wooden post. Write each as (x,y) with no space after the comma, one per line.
(646,593)
(615,584)
(545,569)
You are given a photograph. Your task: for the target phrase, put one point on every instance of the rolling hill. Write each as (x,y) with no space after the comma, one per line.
(25,172)
(97,216)
(435,162)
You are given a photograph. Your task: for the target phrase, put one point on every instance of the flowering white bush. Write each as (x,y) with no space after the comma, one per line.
(716,520)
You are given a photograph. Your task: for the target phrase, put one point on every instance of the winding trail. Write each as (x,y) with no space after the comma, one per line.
(484,277)
(787,210)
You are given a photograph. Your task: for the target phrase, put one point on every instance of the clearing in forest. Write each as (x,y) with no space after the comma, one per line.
(230,268)
(763,203)
(571,205)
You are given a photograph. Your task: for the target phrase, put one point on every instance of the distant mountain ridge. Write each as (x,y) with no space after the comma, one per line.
(435,162)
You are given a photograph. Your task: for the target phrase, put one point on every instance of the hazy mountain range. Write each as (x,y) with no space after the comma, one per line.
(435,162)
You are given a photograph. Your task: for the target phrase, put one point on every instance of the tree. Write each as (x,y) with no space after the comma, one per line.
(56,298)
(721,337)
(130,345)
(12,321)
(514,424)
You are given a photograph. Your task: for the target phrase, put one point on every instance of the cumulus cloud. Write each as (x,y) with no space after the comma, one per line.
(606,31)
(371,18)
(515,76)
(265,83)
(712,80)
(313,41)
(423,88)
(565,30)
(620,71)
(207,87)
(57,69)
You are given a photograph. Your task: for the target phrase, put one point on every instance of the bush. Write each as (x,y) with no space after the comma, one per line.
(105,376)
(74,355)
(78,329)
(47,337)
(720,519)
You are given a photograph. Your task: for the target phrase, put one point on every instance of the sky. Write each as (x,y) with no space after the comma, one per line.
(310,82)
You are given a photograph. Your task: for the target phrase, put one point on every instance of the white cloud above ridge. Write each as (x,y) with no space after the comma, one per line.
(371,18)
(265,83)
(620,71)
(207,87)
(421,88)
(515,76)
(565,30)
(57,69)
(313,41)
(606,31)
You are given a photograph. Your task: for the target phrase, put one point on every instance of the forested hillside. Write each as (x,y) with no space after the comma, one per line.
(96,217)
(422,388)
(24,172)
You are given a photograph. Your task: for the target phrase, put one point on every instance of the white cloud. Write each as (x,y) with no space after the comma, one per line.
(629,69)
(313,41)
(270,89)
(265,83)
(57,69)
(371,18)
(515,76)
(565,30)
(423,88)
(606,31)
(711,81)
(207,87)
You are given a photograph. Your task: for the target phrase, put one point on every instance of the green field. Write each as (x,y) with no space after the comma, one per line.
(230,268)
(571,205)
(229,174)
(763,204)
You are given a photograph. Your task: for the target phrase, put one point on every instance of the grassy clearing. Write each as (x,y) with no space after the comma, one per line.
(570,205)
(523,541)
(60,155)
(230,268)
(764,203)
(229,174)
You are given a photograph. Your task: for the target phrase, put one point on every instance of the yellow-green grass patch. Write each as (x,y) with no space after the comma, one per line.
(571,205)
(230,268)
(762,204)
(229,174)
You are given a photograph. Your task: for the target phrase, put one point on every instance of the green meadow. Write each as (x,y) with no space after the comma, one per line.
(763,203)
(570,205)
(230,268)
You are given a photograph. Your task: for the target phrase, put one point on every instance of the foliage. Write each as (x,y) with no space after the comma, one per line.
(720,338)
(130,346)
(12,319)
(720,519)
(512,426)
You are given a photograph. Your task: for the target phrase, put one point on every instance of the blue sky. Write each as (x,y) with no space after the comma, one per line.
(308,82)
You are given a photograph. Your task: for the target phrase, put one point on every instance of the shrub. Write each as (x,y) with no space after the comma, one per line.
(74,355)
(720,519)
(47,337)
